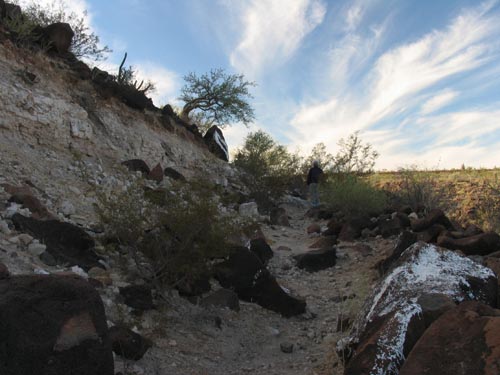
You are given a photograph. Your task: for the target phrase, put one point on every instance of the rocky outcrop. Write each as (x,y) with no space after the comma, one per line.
(58,37)
(435,216)
(463,341)
(391,321)
(52,325)
(246,275)
(66,242)
(216,143)
(404,241)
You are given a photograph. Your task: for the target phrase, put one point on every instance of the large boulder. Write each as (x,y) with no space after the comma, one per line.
(392,320)
(463,341)
(244,273)
(317,260)
(52,325)
(480,244)
(216,143)
(58,36)
(67,243)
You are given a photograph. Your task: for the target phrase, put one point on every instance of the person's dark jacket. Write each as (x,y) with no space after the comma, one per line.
(314,175)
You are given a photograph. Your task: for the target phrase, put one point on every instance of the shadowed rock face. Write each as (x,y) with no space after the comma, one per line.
(127,343)
(463,341)
(392,320)
(244,273)
(52,325)
(66,242)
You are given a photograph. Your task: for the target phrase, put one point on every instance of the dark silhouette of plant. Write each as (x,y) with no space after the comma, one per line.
(126,77)
(85,43)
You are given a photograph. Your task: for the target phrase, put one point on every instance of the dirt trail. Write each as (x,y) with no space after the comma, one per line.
(202,341)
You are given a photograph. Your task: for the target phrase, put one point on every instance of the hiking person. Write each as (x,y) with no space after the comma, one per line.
(313,178)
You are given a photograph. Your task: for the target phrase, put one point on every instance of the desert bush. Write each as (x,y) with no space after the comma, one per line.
(172,239)
(268,167)
(352,195)
(488,207)
(127,77)
(419,189)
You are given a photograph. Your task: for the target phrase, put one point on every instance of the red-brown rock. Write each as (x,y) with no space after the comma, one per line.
(313,228)
(463,341)
(480,244)
(156,174)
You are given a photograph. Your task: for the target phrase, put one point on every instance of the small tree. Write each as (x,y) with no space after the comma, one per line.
(354,156)
(319,153)
(217,97)
(84,44)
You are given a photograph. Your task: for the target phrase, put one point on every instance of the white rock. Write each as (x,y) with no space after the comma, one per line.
(36,248)
(67,208)
(25,239)
(413,215)
(4,227)
(79,272)
(40,271)
(249,209)
(14,240)
(74,190)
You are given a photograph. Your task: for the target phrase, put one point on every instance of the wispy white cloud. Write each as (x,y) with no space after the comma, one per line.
(167,82)
(389,89)
(273,31)
(438,101)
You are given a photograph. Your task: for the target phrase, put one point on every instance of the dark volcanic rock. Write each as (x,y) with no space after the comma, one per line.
(351,230)
(32,203)
(405,240)
(431,234)
(216,143)
(246,275)
(260,248)
(156,174)
(137,165)
(4,271)
(127,343)
(138,297)
(173,174)
(392,320)
(66,242)
(480,244)
(434,305)
(317,260)
(463,341)
(435,216)
(58,37)
(193,288)
(52,325)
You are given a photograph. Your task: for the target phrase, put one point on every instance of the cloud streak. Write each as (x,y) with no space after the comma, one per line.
(273,31)
(393,87)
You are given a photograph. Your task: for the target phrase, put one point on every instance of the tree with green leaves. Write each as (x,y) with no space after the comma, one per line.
(269,167)
(355,156)
(218,98)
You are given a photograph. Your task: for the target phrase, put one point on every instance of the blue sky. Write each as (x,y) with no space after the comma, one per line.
(419,79)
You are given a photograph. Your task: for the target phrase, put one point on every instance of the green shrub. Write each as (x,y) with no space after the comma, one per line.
(177,239)
(268,166)
(352,195)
